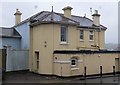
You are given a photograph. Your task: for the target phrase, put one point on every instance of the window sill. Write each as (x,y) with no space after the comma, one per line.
(64,43)
(81,40)
(74,68)
(91,40)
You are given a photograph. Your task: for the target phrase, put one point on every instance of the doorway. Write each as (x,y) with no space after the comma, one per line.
(117,64)
(37,60)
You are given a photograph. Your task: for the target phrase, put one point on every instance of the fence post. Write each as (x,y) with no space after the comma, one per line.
(101,74)
(113,70)
(114,73)
(100,71)
(85,72)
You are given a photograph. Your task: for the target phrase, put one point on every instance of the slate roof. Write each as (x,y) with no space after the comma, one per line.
(85,22)
(53,17)
(48,17)
(9,33)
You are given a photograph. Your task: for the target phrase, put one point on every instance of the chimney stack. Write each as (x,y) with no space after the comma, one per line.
(96,18)
(67,11)
(17,17)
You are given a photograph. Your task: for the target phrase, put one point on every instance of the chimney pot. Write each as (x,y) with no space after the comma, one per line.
(96,11)
(68,7)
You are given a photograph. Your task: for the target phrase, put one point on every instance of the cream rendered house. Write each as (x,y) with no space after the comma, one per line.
(65,44)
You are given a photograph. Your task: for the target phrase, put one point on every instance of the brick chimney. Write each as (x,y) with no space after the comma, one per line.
(17,17)
(96,18)
(67,11)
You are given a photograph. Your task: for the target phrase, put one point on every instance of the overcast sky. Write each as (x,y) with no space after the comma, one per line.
(108,10)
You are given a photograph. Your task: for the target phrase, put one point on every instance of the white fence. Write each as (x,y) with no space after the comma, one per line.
(17,60)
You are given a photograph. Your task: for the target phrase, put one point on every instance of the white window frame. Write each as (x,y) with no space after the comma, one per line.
(82,34)
(65,36)
(76,61)
(91,34)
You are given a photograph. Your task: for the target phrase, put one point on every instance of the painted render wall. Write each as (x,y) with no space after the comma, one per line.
(40,35)
(45,38)
(24,31)
(1,43)
(13,42)
(74,40)
(62,64)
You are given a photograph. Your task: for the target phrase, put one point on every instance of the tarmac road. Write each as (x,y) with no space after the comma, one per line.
(28,77)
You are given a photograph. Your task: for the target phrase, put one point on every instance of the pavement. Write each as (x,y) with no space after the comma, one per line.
(29,77)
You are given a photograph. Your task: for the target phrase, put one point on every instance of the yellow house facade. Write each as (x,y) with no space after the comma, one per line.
(65,44)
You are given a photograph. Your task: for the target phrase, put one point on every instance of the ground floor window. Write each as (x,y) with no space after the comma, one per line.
(74,62)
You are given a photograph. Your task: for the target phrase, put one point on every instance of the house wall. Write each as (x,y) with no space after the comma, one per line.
(24,31)
(62,64)
(13,42)
(1,43)
(86,43)
(45,38)
(74,40)
(41,37)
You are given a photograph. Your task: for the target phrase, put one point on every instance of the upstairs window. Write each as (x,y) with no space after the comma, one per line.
(64,32)
(81,35)
(91,35)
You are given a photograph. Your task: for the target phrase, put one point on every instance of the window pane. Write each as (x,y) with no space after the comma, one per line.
(64,33)
(91,32)
(81,34)
(73,62)
(91,35)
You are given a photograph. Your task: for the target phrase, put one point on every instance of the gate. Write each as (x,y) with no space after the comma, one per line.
(17,60)
(2,63)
